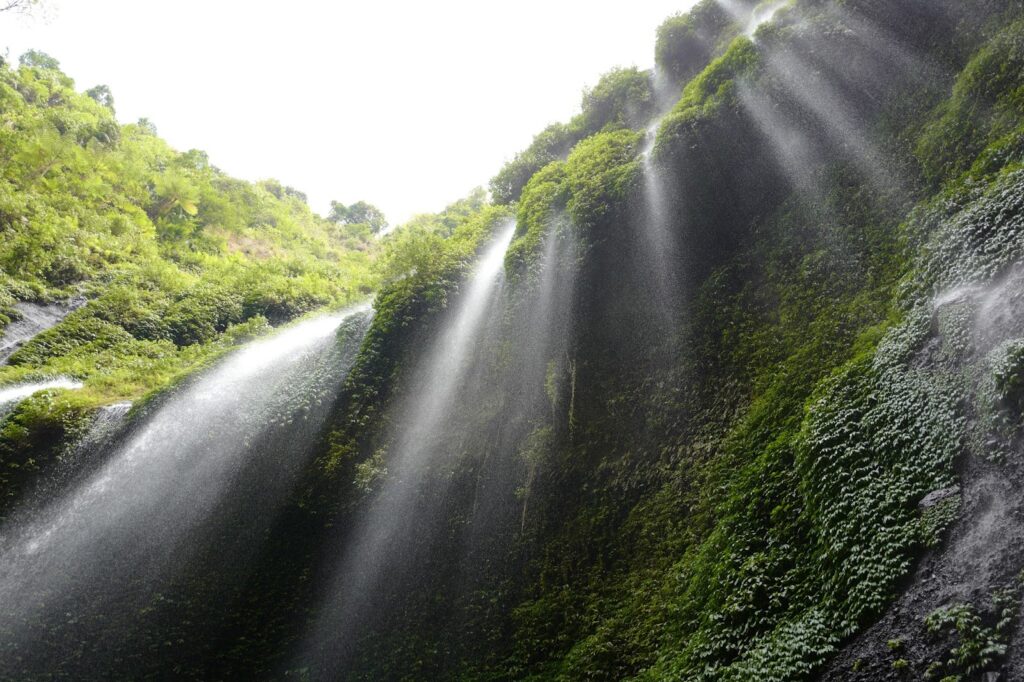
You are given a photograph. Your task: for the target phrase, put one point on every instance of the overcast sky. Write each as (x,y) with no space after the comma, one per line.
(406,104)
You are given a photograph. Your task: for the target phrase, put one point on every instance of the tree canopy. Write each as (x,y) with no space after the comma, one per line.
(359,213)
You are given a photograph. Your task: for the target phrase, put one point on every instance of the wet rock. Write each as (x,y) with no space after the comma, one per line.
(936,496)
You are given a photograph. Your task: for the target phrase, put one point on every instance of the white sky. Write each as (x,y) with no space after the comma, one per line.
(405,104)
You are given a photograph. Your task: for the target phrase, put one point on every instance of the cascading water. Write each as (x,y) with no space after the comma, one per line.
(35,318)
(544,355)
(379,542)
(762,14)
(191,488)
(658,223)
(752,15)
(10,396)
(660,244)
(77,461)
(17,392)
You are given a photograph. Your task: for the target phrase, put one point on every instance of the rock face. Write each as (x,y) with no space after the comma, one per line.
(983,554)
(933,498)
(977,567)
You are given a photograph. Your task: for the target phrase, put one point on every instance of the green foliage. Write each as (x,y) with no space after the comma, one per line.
(102,95)
(938,518)
(35,435)
(370,472)
(686,42)
(359,213)
(600,173)
(621,98)
(970,232)
(987,106)
(980,644)
(428,247)
(36,59)
(734,509)
(551,144)
(1008,379)
(170,252)
(543,199)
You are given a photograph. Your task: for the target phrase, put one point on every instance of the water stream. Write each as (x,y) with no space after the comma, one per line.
(17,392)
(194,484)
(381,541)
(35,318)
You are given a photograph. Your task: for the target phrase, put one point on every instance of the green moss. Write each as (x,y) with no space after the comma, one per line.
(34,436)
(708,93)
(987,106)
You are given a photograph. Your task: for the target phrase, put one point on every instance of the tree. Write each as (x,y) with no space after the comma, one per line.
(147,126)
(102,95)
(622,96)
(359,213)
(38,60)
(175,190)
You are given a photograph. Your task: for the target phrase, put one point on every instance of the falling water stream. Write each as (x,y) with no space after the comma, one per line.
(658,228)
(659,243)
(379,540)
(16,392)
(197,478)
(34,319)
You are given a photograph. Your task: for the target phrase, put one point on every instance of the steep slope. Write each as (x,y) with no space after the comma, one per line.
(726,481)
(165,260)
(744,403)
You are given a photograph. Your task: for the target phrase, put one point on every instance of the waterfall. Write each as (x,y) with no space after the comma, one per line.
(544,387)
(659,248)
(762,14)
(35,318)
(17,392)
(380,542)
(11,395)
(77,461)
(657,223)
(445,366)
(193,484)
(751,16)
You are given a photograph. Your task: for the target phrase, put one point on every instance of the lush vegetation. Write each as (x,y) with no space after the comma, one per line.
(717,477)
(172,260)
(740,509)
(623,98)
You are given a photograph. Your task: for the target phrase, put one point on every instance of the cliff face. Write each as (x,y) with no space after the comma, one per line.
(779,442)
(744,402)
